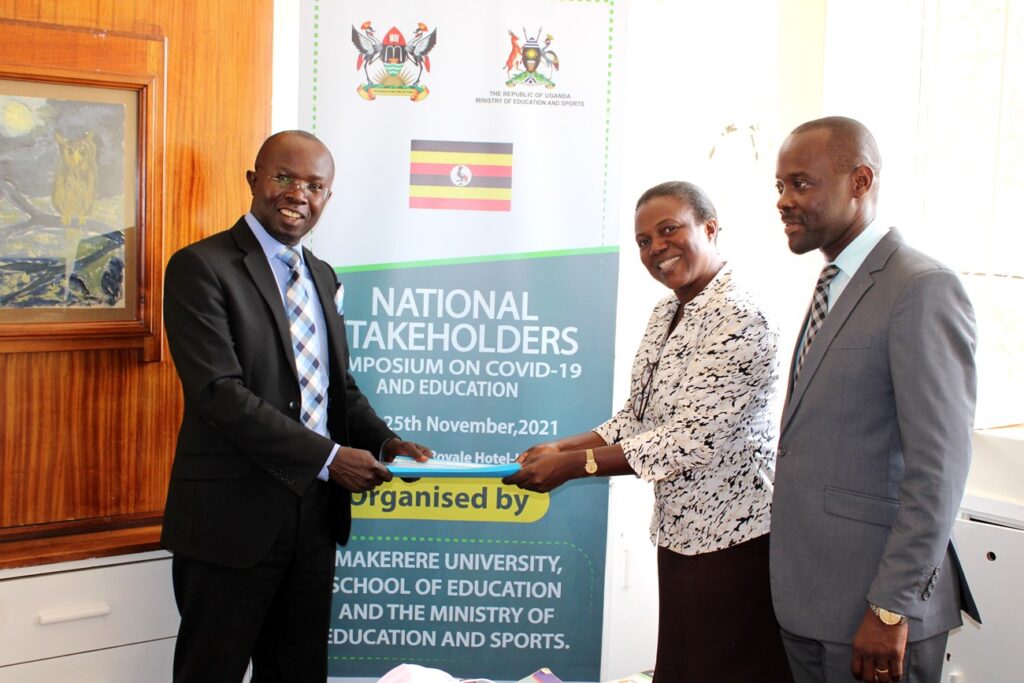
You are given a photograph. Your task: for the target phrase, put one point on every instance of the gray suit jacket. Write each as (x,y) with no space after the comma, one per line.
(874,450)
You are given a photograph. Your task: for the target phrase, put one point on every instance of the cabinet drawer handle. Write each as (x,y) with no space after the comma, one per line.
(60,615)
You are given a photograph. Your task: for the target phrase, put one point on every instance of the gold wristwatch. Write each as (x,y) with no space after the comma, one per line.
(886,617)
(591,466)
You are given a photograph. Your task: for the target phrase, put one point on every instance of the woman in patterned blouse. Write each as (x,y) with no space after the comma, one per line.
(699,425)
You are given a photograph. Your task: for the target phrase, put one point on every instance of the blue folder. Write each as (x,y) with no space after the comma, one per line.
(404,466)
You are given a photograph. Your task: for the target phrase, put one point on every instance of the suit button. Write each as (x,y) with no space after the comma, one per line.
(783,452)
(293,405)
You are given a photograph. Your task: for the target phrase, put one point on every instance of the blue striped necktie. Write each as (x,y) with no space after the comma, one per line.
(819,309)
(304,342)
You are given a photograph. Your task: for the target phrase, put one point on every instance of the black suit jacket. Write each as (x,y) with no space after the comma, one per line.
(243,458)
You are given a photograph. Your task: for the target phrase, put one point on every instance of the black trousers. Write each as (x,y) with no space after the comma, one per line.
(716,621)
(275,613)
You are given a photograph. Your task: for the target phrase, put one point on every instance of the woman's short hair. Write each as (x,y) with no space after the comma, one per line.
(688,193)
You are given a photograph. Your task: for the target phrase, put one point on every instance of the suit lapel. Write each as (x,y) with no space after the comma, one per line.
(255,261)
(858,286)
(792,358)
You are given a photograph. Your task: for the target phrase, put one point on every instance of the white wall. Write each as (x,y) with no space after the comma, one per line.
(284,111)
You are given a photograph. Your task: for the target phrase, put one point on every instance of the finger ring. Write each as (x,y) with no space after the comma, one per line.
(881,671)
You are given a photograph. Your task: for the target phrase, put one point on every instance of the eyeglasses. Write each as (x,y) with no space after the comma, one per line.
(643,397)
(311,188)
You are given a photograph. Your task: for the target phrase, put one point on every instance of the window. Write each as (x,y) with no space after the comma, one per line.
(945,98)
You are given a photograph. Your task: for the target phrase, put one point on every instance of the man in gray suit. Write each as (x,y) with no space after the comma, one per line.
(876,431)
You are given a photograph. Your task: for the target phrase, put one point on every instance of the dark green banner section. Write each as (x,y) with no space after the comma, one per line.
(479,361)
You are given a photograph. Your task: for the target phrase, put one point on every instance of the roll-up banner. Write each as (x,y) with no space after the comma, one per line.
(472,226)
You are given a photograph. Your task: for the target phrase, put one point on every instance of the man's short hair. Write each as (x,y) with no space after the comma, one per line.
(850,144)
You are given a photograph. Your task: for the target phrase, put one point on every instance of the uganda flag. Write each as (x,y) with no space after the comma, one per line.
(474,176)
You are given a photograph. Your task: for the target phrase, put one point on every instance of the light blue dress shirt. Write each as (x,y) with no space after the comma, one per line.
(849,260)
(852,257)
(271,249)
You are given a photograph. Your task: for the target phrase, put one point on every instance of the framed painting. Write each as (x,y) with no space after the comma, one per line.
(81,187)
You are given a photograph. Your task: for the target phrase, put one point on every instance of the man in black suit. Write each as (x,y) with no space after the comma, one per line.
(275,434)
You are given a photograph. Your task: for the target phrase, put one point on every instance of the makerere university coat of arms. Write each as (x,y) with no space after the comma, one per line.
(392,66)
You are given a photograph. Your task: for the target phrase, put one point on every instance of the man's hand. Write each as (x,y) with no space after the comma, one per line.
(357,470)
(396,446)
(878,650)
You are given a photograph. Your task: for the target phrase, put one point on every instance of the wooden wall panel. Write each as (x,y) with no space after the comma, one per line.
(87,437)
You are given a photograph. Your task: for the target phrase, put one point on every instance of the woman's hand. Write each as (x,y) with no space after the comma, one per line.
(544,468)
(550,447)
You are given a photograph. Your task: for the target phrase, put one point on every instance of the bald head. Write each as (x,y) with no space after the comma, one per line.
(283,135)
(850,143)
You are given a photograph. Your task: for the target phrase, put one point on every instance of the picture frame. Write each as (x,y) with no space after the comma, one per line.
(81,190)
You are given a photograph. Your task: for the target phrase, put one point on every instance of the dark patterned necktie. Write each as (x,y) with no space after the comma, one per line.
(304,342)
(819,309)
